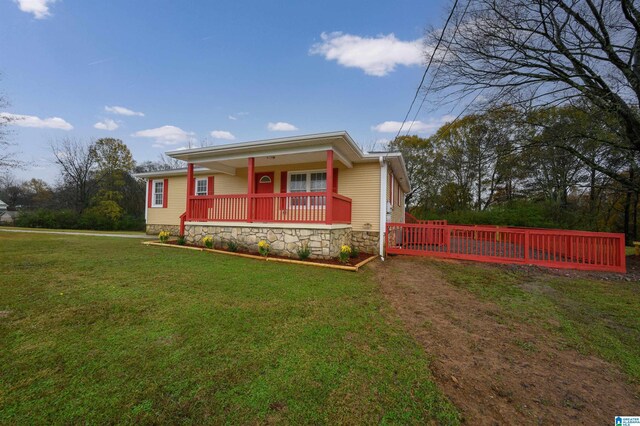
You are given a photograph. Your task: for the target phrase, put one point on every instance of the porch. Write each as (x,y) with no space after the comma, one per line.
(311,198)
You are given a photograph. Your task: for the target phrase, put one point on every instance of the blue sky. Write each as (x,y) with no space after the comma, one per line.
(161,75)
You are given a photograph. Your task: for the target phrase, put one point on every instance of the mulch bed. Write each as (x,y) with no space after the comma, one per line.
(351,262)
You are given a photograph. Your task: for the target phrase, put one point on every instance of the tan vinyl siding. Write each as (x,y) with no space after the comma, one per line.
(176,203)
(397,210)
(360,183)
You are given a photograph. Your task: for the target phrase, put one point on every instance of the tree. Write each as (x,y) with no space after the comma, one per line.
(8,158)
(77,162)
(549,52)
(113,162)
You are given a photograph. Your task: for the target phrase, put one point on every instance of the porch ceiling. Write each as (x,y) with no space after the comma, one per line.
(294,150)
(229,164)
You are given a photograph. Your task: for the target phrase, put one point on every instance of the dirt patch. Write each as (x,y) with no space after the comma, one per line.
(632,274)
(497,372)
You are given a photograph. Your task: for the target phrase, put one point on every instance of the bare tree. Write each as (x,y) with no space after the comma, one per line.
(8,158)
(77,164)
(547,52)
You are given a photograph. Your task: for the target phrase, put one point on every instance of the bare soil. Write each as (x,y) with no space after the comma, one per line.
(486,366)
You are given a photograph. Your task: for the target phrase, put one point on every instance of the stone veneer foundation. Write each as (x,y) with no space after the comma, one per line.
(155,229)
(324,243)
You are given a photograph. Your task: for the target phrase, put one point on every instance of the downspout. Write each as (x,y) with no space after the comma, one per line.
(146,201)
(383,204)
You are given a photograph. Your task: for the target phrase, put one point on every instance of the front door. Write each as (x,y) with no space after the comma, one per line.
(264,206)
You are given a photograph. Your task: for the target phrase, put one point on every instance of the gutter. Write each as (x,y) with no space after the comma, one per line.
(383,204)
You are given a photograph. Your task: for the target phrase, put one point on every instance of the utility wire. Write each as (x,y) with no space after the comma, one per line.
(424,75)
(455,32)
(505,63)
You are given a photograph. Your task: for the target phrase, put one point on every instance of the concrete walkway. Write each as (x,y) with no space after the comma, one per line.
(88,234)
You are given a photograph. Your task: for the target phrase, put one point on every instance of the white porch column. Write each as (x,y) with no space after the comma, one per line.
(383,204)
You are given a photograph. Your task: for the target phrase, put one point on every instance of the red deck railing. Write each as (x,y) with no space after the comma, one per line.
(545,247)
(301,207)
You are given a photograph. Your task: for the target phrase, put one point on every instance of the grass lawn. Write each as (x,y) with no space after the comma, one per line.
(99,330)
(74,230)
(596,317)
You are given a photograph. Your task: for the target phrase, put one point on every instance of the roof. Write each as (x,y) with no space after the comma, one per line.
(295,149)
(3,204)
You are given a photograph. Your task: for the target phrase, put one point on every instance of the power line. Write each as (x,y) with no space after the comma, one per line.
(505,63)
(424,75)
(464,12)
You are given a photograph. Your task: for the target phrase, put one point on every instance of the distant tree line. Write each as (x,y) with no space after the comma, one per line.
(511,167)
(96,188)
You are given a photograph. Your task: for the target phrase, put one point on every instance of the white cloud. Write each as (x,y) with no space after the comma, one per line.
(39,8)
(281,126)
(165,135)
(237,116)
(377,56)
(33,121)
(106,124)
(416,126)
(223,134)
(122,111)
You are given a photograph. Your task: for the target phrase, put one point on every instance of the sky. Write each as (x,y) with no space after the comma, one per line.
(164,75)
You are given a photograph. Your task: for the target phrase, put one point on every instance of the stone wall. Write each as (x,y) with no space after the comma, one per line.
(155,229)
(323,243)
(366,241)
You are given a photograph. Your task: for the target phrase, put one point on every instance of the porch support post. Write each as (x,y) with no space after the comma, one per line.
(251,177)
(328,214)
(190,190)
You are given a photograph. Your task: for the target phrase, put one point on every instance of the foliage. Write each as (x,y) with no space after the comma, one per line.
(510,167)
(305,346)
(263,248)
(232,246)
(164,236)
(208,241)
(304,252)
(181,240)
(69,219)
(345,254)
(354,252)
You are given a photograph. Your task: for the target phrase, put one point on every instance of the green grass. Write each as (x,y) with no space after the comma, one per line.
(596,317)
(73,230)
(111,331)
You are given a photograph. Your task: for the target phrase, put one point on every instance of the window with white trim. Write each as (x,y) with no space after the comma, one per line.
(312,181)
(158,193)
(201,186)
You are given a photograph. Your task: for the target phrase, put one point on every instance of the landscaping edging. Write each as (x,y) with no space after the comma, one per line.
(354,268)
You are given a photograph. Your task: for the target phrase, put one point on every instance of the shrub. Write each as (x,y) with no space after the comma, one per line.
(42,218)
(354,252)
(208,241)
(97,217)
(263,248)
(164,236)
(345,254)
(304,252)
(232,246)
(182,240)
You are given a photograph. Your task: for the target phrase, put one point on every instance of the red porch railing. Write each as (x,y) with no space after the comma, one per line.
(545,247)
(301,207)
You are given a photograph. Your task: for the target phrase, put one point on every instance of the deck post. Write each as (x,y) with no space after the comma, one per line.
(251,177)
(328,212)
(190,190)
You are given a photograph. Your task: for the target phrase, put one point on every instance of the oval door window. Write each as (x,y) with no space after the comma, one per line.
(265,179)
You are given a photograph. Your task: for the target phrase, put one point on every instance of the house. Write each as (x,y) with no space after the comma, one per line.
(319,191)
(3,207)
(8,217)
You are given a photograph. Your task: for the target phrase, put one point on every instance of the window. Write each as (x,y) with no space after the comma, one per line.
(201,186)
(265,179)
(158,193)
(308,182)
